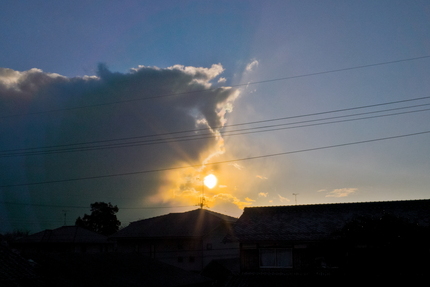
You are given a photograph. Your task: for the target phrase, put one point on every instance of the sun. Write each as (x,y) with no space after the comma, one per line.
(210,181)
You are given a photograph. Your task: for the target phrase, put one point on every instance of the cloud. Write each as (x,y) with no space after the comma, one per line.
(15,85)
(231,198)
(222,80)
(261,177)
(263,194)
(236,165)
(201,75)
(249,199)
(251,66)
(117,133)
(283,199)
(341,192)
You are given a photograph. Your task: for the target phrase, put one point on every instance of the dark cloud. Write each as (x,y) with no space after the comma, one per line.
(48,110)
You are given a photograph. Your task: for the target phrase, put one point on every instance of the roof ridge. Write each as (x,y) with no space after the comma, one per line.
(218,214)
(152,217)
(196,222)
(171,213)
(338,203)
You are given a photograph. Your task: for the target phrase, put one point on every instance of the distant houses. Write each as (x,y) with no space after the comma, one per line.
(189,240)
(73,239)
(269,245)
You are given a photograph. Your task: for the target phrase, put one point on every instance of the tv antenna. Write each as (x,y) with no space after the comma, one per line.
(65,216)
(210,181)
(202,202)
(295,197)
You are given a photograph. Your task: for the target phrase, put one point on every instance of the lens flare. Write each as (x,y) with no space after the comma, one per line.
(210,181)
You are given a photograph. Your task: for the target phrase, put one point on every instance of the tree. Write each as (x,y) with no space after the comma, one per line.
(101,220)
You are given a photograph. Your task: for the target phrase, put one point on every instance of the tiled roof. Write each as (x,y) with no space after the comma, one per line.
(14,269)
(193,223)
(65,234)
(316,222)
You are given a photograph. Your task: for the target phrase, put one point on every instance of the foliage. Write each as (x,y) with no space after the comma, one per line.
(102,219)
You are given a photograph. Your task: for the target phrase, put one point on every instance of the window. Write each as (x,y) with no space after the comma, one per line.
(276,258)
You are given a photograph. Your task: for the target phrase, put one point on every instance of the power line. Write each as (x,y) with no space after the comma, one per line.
(245,131)
(98,145)
(335,70)
(252,130)
(87,207)
(333,111)
(213,163)
(33,221)
(232,86)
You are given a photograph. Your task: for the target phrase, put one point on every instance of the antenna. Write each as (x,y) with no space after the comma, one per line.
(65,216)
(295,197)
(202,203)
(202,197)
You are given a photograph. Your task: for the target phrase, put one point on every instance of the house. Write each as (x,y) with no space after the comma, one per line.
(110,269)
(65,239)
(189,240)
(315,239)
(57,258)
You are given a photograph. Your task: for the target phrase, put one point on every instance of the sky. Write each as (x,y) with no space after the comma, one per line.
(135,102)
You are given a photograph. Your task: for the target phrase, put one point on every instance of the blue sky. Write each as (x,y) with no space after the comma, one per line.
(217,65)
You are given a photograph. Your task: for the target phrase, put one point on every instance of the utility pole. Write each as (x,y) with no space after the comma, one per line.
(295,197)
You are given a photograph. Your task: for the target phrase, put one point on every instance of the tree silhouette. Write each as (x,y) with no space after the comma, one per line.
(101,220)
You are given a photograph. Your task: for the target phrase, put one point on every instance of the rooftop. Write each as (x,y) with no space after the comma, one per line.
(319,221)
(64,234)
(194,223)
